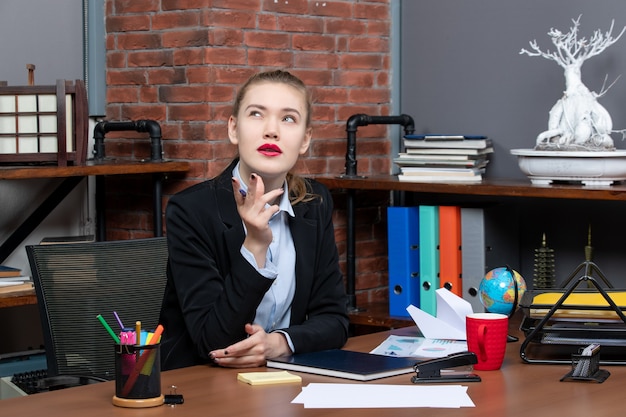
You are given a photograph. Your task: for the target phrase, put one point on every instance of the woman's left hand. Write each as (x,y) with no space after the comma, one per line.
(253,351)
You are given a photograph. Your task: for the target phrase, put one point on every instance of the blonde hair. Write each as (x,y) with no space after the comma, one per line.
(299,190)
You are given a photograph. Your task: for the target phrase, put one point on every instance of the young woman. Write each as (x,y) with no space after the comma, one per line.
(253,268)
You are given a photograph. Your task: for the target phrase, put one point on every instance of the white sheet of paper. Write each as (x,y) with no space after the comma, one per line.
(432,327)
(439,348)
(320,395)
(450,320)
(452,309)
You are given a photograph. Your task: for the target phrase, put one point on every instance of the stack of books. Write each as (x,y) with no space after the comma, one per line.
(444,158)
(12,280)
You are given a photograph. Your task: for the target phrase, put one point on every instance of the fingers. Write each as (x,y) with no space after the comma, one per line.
(255,196)
(249,352)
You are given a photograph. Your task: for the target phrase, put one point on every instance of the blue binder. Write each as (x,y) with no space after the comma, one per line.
(403,259)
(429,257)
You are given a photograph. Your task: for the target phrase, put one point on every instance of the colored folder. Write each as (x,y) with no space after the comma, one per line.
(489,239)
(403,259)
(429,257)
(473,254)
(450,249)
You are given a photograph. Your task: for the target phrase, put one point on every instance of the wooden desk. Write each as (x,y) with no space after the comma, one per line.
(518,389)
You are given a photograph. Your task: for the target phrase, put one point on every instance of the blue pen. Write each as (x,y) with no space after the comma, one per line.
(242,192)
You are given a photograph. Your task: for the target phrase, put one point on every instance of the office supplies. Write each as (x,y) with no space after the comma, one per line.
(380,396)
(143,358)
(133,390)
(268,378)
(450,261)
(578,317)
(138,332)
(449,320)
(344,364)
(430,371)
(173,398)
(119,321)
(585,366)
(419,347)
(108,328)
(403,263)
(429,257)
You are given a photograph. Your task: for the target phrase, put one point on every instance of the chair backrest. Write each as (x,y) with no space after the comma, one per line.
(75,282)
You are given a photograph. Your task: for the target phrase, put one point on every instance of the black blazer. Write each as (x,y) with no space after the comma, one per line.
(212,291)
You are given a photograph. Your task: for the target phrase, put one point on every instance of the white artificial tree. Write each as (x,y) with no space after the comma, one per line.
(577,121)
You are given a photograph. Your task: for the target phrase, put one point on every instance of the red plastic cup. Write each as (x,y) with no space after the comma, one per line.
(486,337)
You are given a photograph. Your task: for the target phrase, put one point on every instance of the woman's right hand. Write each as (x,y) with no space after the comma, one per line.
(256,208)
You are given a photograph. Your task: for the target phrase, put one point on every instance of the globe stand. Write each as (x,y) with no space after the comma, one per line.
(510,338)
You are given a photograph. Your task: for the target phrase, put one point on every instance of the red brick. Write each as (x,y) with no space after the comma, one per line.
(290,23)
(132,41)
(175,20)
(183,4)
(267,40)
(313,42)
(185,38)
(150,59)
(296,7)
(135,6)
(127,23)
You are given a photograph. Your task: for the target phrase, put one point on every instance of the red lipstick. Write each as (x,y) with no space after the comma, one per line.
(269,149)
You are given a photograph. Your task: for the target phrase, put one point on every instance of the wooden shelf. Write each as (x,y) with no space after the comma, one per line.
(105,167)
(18,298)
(496,188)
(378,315)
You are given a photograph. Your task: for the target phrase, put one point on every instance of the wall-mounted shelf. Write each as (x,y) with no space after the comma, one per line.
(498,189)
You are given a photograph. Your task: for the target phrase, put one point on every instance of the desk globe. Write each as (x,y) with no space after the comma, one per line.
(497,290)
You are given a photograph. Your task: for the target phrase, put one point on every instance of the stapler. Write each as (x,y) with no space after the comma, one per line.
(430,371)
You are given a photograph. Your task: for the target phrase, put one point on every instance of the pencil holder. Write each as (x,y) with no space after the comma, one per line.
(586,368)
(138,376)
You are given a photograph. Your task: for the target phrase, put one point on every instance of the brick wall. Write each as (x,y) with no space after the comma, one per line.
(180,62)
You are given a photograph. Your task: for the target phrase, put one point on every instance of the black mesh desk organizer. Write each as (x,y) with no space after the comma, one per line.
(76,282)
(553,338)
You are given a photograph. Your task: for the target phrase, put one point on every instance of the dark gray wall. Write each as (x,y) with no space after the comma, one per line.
(48,34)
(461,71)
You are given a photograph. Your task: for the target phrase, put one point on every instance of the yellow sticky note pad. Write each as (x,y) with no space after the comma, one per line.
(266,378)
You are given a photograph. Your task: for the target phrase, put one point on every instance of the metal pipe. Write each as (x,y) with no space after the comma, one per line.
(150,126)
(357,120)
(352,125)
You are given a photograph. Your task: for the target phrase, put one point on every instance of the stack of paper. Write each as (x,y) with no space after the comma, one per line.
(317,395)
(12,280)
(443,334)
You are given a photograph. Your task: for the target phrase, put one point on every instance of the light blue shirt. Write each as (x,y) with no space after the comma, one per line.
(274,311)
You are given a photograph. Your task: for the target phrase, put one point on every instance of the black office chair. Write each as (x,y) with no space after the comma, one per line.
(75,282)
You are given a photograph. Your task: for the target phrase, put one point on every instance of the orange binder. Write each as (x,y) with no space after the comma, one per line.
(450,261)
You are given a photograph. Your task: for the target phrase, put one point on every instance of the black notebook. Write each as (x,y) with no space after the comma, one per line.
(345,364)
